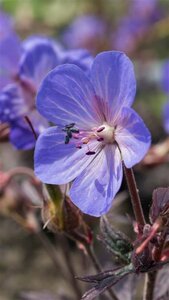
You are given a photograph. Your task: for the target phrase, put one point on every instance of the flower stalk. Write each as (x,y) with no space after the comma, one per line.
(149,285)
(138,212)
(135,198)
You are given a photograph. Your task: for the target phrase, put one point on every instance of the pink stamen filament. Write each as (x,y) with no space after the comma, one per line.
(85,136)
(154,230)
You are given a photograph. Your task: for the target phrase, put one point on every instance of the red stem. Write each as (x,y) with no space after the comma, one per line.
(135,198)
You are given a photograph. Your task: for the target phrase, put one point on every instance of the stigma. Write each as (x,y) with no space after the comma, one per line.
(106,133)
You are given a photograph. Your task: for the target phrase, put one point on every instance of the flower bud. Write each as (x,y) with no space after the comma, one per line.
(66,218)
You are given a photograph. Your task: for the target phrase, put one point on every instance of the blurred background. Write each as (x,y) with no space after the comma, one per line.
(140,28)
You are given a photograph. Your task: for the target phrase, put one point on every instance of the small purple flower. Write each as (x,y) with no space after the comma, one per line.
(86,31)
(165,77)
(10,50)
(166,117)
(6,25)
(95,129)
(79,57)
(143,8)
(40,56)
(165,87)
(127,33)
(17,100)
(142,14)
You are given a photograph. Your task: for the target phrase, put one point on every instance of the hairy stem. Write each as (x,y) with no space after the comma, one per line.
(135,198)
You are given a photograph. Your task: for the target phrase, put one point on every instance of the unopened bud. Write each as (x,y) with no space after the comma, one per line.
(66,218)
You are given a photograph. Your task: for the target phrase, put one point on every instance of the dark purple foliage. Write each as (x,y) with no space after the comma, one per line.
(160,203)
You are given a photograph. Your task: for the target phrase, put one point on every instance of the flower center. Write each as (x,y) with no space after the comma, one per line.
(103,134)
(106,133)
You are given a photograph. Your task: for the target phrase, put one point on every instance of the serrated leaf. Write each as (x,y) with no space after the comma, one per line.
(115,241)
(105,280)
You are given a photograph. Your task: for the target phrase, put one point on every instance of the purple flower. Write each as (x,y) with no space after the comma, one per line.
(79,57)
(6,25)
(87,31)
(10,50)
(40,55)
(165,87)
(142,14)
(13,109)
(127,33)
(166,117)
(165,77)
(17,100)
(95,129)
(144,8)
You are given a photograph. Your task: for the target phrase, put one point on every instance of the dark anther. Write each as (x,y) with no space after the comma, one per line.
(70,125)
(67,139)
(100,139)
(69,133)
(74,130)
(79,147)
(100,129)
(69,130)
(90,153)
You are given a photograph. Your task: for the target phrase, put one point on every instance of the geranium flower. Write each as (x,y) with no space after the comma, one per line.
(17,99)
(10,50)
(141,15)
(166,117)
(165,87)
(40,55)
(96,129)
(79,57)
(165,77)
(86,31)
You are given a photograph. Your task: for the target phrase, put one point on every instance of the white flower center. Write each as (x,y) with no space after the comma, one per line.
(106,132)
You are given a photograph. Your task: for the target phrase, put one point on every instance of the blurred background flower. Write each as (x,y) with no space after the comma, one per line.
(86,31)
